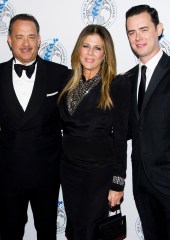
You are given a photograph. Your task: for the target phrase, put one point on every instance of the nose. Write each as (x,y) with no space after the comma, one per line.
(138,36)
(90,51)
(25,42)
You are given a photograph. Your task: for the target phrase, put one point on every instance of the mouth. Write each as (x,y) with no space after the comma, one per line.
(88,60)
(140,46)
(25,50)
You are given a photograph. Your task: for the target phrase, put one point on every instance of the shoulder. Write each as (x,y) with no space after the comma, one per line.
(6,63)
(131,72)
(120,88)
(52,65)
(120,82)
(6,66)
(132,75)
(165,60)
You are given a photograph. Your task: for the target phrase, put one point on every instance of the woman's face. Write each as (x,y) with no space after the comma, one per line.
(91,55)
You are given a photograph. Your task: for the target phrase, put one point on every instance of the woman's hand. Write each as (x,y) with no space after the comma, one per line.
(115,198)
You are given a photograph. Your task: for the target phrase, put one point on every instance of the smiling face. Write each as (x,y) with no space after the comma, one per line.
(143,36)
(24,41)
(91,55)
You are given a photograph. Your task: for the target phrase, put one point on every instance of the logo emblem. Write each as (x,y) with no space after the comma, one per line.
(61,218)
(6,13)
(139,230)
(52,50)
(165,45)
(102,12)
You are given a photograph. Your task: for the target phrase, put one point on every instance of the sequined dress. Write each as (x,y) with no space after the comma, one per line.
(94,153)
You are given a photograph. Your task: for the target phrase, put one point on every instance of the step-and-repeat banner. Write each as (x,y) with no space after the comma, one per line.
(60,24)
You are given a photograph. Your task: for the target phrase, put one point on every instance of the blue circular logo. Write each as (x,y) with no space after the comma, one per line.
(6,13)
(53,50)
(102,12)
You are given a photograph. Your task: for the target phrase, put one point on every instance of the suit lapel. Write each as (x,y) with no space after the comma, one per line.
(157,76)
(8,92)
(134,79)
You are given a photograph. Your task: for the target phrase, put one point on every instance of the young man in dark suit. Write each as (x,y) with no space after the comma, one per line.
(149,122)
(30,136)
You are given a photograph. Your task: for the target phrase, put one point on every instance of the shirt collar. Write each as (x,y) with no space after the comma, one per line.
(151,64)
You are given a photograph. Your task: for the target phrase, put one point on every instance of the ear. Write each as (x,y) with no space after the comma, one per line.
(39,40)
(160,29)
(9,41)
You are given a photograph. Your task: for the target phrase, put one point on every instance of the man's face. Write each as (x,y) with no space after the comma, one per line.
(24,41)
(143,36)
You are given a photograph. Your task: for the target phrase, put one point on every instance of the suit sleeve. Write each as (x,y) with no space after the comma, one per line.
(120,129)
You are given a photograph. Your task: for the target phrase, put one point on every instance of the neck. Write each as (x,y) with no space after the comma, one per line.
(145,59)
(23,63)
(88,74)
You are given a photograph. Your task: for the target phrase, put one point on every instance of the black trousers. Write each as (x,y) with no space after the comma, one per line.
(154,210)
(13,214)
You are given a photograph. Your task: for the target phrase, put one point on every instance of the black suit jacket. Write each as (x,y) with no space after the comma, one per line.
(30,141)
(150,131)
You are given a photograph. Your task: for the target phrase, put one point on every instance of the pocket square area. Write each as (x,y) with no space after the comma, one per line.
(51,94)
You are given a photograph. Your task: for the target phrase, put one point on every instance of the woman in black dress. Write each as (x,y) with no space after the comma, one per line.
(94,111)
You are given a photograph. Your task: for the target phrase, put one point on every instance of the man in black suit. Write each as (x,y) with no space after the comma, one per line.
(149,122)
(30,136)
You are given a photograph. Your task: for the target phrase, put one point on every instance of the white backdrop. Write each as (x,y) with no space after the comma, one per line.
(60,24)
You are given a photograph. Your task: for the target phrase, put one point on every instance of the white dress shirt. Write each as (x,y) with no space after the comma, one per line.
(23,85)
(151,65)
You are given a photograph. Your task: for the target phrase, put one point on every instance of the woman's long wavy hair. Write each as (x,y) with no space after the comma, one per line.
(108,66)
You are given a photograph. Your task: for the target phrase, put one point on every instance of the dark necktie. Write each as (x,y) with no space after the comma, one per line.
(29,69)
(142,86)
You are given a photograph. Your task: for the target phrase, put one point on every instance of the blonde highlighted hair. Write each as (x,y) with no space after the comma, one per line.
(108,66)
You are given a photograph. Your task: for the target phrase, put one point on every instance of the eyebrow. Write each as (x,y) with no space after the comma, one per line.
(20,34)
(96,45)
(141,28)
